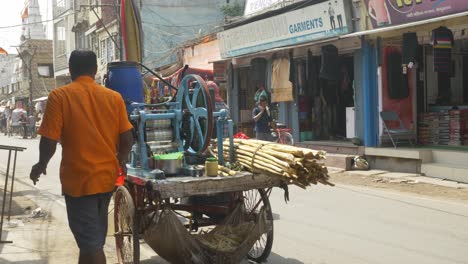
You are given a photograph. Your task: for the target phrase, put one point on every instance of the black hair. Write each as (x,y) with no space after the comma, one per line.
(82,62)
(263,98)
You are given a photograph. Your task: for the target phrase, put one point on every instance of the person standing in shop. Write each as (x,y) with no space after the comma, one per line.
(261,91)
(262,117)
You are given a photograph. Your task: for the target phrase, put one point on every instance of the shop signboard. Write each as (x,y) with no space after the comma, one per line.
(257,6)
(324,20)
(395,12)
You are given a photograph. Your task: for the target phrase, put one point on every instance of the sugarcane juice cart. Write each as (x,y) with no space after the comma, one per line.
(187,216)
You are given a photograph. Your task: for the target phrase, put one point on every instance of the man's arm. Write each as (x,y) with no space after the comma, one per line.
(47,149)
(256,117)
(125,145)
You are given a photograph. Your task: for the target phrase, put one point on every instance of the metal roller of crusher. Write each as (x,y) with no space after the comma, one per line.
(191,117)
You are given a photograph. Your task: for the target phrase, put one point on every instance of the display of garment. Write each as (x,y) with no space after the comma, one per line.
(397,82)
(410,47)
(292,68)
(313,71)
(258,70)
(442,43)
(330,69)
(330,91)
(346,88)
(282,88)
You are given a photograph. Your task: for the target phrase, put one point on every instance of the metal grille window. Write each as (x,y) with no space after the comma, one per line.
(94,44)
(60,38)
(110,50)
(81,40)
(103,51)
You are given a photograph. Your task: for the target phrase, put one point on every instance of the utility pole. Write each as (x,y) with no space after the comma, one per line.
(29,68)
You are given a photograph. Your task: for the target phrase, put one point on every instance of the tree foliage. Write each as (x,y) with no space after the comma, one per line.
(236,8)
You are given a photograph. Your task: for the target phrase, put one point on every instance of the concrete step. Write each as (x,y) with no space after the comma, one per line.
(450,157)
(458,173)
(333,147)
(424,155)
(339,161)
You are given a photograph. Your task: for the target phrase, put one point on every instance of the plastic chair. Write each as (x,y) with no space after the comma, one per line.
(395,134)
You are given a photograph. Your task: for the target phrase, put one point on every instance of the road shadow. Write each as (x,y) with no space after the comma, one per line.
(277,259)
(19,204)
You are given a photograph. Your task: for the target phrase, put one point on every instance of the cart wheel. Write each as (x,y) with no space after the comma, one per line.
(254,200)
(126,227)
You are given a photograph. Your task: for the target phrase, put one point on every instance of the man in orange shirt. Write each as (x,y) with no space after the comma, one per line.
(92,125)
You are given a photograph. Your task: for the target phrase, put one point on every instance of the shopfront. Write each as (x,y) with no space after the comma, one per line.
(423,69)
(308,71)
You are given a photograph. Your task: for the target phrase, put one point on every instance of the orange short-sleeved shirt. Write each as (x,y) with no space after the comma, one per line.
(87,118)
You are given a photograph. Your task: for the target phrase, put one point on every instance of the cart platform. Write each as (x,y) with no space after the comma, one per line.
(177,187)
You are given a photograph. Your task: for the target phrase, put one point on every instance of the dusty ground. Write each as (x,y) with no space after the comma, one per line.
(403,185)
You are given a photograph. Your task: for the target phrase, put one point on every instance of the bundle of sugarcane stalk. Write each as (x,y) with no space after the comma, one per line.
(299,166)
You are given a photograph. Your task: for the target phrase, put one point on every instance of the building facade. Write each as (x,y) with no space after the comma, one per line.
(29,74)
(85,24)
(64,38)
(299,54)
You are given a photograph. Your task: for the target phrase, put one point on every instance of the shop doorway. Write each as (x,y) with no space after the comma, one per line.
(323,103)
(443,116)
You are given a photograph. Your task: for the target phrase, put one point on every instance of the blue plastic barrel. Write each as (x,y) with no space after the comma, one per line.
(125,77)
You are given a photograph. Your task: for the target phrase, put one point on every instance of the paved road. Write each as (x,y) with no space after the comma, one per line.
(338,225)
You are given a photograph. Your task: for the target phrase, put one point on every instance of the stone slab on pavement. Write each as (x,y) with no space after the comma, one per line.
(398,175)
(365,173)
(439,182)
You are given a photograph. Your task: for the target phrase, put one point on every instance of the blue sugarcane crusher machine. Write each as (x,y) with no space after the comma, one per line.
(190,113)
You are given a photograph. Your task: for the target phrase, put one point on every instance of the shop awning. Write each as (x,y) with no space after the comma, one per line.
(279,49)
(402,26)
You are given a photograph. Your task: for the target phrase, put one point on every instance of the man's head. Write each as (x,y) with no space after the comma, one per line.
(260,86)
(82,63)
(262,101)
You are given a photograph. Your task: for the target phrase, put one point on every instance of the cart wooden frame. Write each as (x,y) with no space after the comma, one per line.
(140,197)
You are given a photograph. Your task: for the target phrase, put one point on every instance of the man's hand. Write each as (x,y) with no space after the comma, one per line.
(36,171)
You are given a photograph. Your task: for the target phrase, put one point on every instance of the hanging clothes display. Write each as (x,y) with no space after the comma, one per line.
(282,88)
(313,71)
(397,81)
(410,47)
(258,70)
(330,69)
(442,42)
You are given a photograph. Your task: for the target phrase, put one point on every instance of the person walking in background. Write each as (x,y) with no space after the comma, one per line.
(3,121)
(94,145)
(32,125)
(7,113)
(262,117)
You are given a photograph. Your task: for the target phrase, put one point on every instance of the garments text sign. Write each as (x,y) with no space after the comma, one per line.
(314,22)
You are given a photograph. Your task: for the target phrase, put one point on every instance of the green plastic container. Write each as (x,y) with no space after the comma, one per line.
(170,156)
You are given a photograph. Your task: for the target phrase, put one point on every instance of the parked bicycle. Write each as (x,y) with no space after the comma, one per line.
(282,134)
